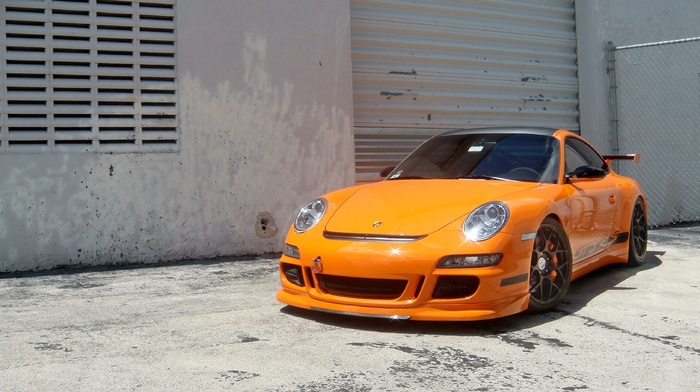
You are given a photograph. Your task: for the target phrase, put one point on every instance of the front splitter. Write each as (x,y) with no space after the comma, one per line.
(367,315)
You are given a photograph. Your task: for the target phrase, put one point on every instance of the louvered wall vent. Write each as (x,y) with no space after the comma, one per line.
(88,75)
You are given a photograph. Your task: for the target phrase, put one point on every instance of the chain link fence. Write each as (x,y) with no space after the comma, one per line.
(655,107)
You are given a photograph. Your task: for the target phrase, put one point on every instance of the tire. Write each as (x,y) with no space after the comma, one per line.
(550,267)
(638,235)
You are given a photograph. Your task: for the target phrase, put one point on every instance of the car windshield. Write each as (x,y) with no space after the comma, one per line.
(514,157)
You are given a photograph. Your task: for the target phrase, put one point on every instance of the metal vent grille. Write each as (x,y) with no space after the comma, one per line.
(88,75)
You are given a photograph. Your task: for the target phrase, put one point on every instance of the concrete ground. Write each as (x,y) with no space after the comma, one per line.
(215,325)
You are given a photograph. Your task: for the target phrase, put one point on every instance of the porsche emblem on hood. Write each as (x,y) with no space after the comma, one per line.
(377,224)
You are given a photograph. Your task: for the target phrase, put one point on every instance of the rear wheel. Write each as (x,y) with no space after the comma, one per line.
(638,235)
(550,267)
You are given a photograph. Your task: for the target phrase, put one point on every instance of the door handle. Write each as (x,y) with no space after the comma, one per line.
(611,199)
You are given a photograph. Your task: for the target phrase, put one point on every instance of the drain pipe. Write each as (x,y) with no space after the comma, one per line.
(612,101)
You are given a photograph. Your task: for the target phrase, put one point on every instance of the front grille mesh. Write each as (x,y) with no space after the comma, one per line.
(365,288)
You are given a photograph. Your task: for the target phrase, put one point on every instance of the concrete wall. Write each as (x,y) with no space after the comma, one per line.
(624,22)
(265,99)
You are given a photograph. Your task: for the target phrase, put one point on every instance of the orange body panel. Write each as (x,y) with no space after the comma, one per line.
(411,225)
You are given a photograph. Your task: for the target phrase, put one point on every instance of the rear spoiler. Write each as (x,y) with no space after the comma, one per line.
(633,157)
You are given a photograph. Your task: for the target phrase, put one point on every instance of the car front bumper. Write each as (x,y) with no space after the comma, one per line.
(400,281)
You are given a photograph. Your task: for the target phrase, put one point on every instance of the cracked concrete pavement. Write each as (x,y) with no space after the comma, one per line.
(215,325)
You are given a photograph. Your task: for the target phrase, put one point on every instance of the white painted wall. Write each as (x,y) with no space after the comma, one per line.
(624,22)
(265,98)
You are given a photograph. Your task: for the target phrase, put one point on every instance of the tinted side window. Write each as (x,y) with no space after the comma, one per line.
(579,154)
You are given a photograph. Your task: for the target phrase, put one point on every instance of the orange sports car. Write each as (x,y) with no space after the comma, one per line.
(474,224)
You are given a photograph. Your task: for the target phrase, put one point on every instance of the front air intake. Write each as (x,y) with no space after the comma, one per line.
(293,274)
(365,288)
(451,287)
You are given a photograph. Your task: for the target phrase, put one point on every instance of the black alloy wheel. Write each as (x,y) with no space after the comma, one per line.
(638,235)
(550,267)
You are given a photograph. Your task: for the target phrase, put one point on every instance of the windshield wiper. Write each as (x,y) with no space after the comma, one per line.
(406,178)
(481,177)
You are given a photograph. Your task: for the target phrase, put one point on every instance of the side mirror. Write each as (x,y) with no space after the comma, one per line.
(586,173)
(385,172)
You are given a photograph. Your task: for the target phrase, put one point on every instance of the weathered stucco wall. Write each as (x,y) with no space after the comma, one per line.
(624,22)
(265,99)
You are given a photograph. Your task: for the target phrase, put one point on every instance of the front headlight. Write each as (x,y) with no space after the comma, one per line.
(310,214)
(485,221)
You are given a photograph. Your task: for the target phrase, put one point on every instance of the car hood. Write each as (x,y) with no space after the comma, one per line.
(415,207)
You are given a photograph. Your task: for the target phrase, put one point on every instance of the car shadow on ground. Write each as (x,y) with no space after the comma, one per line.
(581,292)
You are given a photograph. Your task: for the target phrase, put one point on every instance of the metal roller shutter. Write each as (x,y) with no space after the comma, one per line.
(423,67)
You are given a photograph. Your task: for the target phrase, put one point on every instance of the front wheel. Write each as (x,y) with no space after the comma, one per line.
(550,267)
(638,235)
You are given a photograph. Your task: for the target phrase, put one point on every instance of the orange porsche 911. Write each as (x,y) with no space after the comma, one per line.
(474,224)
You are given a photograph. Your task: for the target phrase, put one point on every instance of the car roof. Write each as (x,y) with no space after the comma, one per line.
(506,130)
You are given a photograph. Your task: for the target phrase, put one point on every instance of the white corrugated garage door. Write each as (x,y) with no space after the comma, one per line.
(423,67)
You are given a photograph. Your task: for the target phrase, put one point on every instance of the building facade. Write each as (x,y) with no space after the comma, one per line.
(161,130)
